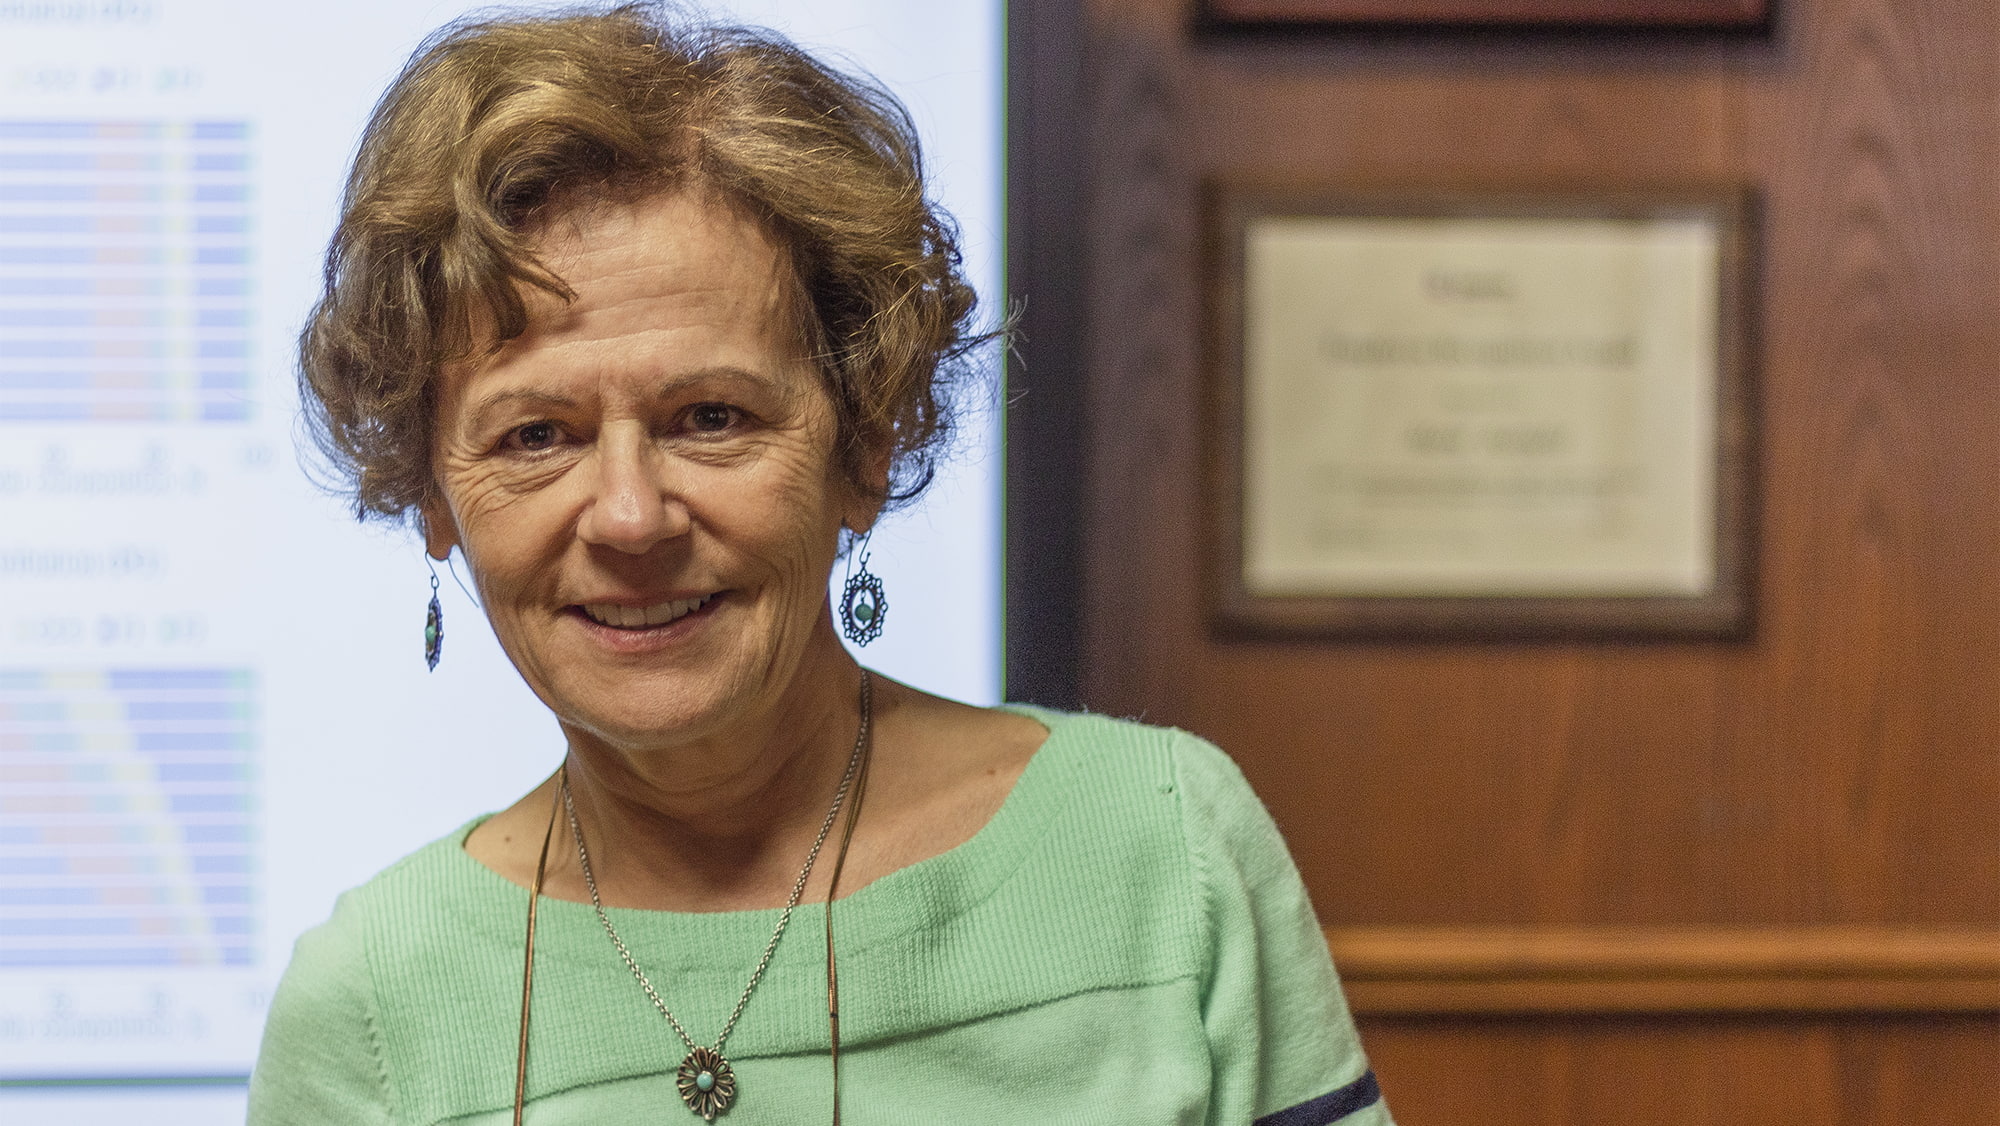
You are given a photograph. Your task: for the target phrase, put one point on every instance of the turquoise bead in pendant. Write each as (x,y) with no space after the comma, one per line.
(705,1081)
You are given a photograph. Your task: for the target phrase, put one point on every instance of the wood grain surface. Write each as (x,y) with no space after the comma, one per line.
(1638,1071)
(1614,13)
(1661,970)
(1839,768)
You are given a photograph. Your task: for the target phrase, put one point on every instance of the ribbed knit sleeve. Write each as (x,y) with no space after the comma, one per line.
(321,1063)
(1281,1042)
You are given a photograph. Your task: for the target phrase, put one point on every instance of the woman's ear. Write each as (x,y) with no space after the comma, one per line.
(864,503)
(860,517)
(440,530)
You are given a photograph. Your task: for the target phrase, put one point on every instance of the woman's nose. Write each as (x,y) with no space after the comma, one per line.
(634,505)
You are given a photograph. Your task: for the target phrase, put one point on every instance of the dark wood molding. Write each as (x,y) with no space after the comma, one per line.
(1732,15)
(1044,392)
(1494,971)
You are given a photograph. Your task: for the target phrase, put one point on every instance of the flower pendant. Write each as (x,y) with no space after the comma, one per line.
(706,1084)
(862,607)
(433,629)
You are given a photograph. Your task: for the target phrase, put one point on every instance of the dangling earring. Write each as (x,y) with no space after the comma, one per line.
(433,624)
(862,605)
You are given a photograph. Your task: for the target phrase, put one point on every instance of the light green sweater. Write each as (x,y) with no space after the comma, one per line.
(1126,941)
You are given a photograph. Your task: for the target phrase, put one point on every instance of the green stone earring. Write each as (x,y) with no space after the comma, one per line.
(434,627)
(862,604)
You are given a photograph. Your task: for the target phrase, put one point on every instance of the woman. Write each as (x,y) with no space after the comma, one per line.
(648,322)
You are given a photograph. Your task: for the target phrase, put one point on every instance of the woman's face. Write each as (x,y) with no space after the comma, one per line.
(643,483)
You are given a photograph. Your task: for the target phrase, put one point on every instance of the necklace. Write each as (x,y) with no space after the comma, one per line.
(706,1082)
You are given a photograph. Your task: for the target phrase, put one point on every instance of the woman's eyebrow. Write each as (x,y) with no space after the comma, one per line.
(518,397)
(489,404)
(723,377)
(723,372)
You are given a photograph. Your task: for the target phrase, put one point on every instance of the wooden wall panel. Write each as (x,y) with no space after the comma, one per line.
(1839,768)
(1733,1072)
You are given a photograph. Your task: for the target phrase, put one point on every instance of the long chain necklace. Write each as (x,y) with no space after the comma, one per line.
(706,1082)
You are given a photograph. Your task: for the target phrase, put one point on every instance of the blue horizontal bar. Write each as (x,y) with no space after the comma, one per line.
(216,833)
(84,225)
(135,375)
(49,897)
(193,680)
(18,927)
(76,130)
(109,193)
(74,349)
(140,710)
(201,772)
(79,162)
(77,318)
(134,956)
(76,255)
(81,287)
(189,741)
(61,412)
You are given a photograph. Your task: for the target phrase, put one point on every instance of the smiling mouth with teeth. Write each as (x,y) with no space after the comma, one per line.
(643,617)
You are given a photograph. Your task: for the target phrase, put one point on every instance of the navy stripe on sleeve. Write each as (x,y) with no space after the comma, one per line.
(1330,1107)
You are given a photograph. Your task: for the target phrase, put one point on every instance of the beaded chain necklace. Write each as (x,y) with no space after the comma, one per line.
(705,1079)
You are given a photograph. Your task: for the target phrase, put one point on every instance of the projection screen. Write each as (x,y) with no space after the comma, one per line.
(214,709)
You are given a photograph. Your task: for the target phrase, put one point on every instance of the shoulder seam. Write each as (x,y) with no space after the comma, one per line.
(1196,860)
(371,1015)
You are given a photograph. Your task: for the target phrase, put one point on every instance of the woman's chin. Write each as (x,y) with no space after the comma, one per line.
(642,712)
(647,686)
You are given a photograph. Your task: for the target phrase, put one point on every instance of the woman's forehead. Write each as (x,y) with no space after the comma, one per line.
(686,243)
(676,278)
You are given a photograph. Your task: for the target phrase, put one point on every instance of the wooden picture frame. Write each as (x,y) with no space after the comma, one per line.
(1686,15)
(1356,489)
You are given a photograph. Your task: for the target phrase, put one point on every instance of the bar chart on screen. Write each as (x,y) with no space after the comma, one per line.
(127,847)
(126,833)
(124,259)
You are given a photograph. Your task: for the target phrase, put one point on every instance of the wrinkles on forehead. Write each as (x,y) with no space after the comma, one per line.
(560,229)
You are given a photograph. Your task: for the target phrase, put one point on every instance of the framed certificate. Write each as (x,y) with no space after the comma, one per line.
(1682,14)
(1481,413)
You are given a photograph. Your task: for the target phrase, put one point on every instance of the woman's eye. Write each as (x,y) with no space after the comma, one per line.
(536,436)
(711,416)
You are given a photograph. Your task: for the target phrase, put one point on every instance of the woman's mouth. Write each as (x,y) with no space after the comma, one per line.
(643,617)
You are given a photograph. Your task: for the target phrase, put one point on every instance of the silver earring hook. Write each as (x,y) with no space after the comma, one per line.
(452,567)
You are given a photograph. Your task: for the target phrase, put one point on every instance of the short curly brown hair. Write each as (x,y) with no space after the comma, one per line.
(494,121)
